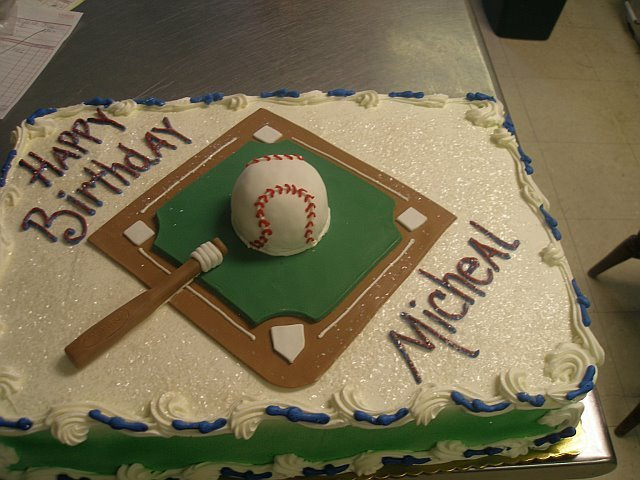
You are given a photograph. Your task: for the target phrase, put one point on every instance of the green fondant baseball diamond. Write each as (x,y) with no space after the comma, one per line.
(308,285)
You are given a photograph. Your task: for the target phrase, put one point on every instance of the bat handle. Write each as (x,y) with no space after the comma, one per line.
(104,334)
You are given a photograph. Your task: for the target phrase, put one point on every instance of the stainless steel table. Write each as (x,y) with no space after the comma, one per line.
(169,49)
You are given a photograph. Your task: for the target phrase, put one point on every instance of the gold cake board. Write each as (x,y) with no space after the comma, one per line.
(568,447)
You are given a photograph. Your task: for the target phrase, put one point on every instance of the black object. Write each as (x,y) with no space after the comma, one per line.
(525,19)
(629,248)
(632,420)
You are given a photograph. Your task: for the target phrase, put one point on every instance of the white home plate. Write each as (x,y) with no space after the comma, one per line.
(288,340)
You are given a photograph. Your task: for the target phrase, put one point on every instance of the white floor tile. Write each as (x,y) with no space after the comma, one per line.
(595,180)
(575,101)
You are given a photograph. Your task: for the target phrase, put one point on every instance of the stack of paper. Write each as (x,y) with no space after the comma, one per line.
(38,32)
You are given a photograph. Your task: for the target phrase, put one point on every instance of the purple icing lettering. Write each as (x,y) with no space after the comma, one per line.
(445,282)
(413,321)
(69,234)
(61,156)
(509,246)
(487,252)
(422,341)
(439,321)
(37,172)
(170,130)
(83,190)
(71,139)
(81,127)
(467,265)
(77,203)
(155,144)
(131,153)
(102,119)
(440,295)
(95,177)
(113,170)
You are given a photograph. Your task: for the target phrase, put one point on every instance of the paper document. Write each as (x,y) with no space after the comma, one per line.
(37,35)
(60,4)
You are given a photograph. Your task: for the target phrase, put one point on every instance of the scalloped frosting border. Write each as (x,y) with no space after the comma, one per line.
(290,465)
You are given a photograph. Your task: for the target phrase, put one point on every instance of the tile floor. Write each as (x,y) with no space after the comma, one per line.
(575,102)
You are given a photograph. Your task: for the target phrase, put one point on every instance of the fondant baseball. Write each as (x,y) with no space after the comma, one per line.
(279,205)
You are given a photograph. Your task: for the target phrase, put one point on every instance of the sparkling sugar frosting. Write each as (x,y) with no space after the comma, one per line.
(50,293)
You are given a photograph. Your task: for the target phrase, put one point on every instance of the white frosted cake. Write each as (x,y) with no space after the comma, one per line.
(476,346)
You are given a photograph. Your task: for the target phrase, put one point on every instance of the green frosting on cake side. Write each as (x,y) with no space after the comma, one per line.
(106,450)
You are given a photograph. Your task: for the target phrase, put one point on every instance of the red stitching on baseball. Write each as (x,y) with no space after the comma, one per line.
(263,200)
